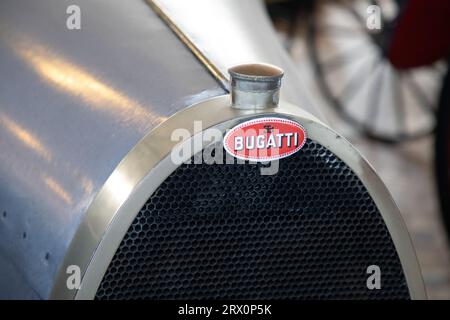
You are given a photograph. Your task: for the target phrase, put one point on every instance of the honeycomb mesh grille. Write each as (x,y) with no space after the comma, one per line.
(226,231)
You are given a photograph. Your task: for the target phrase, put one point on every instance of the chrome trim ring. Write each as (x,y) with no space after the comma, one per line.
(148,164)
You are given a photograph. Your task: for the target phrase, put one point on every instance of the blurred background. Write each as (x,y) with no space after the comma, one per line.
(380,68)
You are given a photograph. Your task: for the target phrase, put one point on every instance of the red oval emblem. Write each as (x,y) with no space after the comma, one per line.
(265,139)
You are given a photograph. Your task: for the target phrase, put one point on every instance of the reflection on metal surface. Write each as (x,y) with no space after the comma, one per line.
(32,142)
(226,33)
(25,137)
(120,187)
(217,30)
(79,82)
(58,190)
(87,185)
(220,76)
(80,96)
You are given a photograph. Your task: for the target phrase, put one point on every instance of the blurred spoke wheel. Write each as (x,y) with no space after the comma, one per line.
(350,63)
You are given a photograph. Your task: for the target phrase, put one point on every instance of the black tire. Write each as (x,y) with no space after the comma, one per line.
(442,153)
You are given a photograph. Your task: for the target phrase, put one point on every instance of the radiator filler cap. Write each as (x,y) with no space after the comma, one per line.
(255,86)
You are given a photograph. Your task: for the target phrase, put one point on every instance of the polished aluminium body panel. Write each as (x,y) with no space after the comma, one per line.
(233,32)
(72,105)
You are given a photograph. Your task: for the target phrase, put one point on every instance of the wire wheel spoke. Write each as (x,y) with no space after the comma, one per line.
(374,99)
(340,31)
(419,94)
(399,102)
(358,82)
(342,59)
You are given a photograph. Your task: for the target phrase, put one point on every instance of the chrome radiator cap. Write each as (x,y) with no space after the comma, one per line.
(255,86)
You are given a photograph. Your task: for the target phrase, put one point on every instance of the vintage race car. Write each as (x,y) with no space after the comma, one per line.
(93,98)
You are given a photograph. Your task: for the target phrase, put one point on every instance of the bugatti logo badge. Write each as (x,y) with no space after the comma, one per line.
(265,139)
